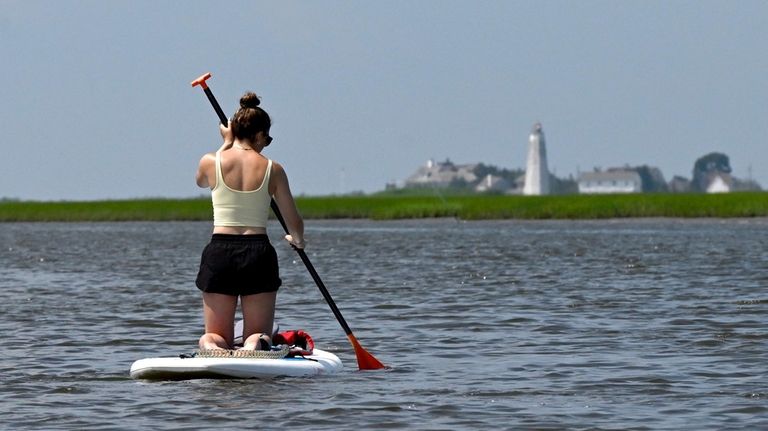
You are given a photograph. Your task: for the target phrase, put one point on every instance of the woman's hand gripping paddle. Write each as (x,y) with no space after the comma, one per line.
(365,360)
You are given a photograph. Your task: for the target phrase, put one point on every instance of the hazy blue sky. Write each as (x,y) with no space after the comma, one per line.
(96,102)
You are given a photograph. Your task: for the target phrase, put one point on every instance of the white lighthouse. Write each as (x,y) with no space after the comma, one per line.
(536,172)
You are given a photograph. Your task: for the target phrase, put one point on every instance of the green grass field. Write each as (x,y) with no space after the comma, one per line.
(387,207)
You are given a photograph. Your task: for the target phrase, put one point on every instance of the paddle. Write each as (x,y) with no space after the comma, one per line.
(365,360)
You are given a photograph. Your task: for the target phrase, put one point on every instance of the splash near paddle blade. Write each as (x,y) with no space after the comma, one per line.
(365,361)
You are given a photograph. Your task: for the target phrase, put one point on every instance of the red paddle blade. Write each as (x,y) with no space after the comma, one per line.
(365,361)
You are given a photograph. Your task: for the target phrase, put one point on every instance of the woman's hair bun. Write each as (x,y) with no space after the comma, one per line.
(249,100)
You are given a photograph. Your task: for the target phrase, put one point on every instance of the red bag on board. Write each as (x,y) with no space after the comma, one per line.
(301,343)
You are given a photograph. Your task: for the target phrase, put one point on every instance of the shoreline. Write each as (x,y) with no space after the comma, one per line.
(746,205)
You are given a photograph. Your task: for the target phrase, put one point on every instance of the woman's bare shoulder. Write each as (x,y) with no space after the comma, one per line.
(208,158)
(276,165)
(278,170)
(204,169)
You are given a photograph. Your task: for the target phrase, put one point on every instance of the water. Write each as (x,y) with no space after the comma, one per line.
(630,324)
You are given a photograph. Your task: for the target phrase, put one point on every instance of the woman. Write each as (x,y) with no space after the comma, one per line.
(240,261)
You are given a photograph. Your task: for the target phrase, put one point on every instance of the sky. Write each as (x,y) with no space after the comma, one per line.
(96,101)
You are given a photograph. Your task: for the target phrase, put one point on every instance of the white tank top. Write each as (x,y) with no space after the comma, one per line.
(237,207)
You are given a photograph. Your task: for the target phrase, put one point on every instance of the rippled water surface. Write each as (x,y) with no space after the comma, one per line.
(627,324)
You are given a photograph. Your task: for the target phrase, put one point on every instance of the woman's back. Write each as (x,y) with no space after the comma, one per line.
(241,192)
(243,170)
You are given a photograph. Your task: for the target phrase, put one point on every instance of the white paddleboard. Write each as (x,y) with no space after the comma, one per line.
(177,368)
(184,368)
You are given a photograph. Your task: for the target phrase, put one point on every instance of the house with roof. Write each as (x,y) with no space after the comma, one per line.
(611,181)
(476,177)
(442,174)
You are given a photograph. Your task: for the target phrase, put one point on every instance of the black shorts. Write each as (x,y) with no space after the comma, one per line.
(238,265)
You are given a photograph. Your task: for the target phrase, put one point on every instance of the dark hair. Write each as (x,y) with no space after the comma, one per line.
(249,120)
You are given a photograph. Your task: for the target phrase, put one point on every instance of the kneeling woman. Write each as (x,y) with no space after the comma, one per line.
(240,262)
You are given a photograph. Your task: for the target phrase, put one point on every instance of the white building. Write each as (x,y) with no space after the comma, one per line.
(718,185)
(610,182)
(441,174)
(536,172)
(493,183)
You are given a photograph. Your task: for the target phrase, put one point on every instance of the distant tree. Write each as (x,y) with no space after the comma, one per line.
(563,186)
(706,166)
(482,170)
(679,184)
(652,179)
(460,184)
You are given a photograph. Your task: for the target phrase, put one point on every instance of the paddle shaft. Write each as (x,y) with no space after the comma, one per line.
(216,107)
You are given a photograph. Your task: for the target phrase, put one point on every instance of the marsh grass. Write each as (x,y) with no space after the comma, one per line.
(387,207)
(118,210)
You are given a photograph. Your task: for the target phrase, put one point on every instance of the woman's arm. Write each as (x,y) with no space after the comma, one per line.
(281,192)
(227,136)
(204,168)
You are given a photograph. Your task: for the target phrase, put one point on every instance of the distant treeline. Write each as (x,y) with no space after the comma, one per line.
(385,206)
